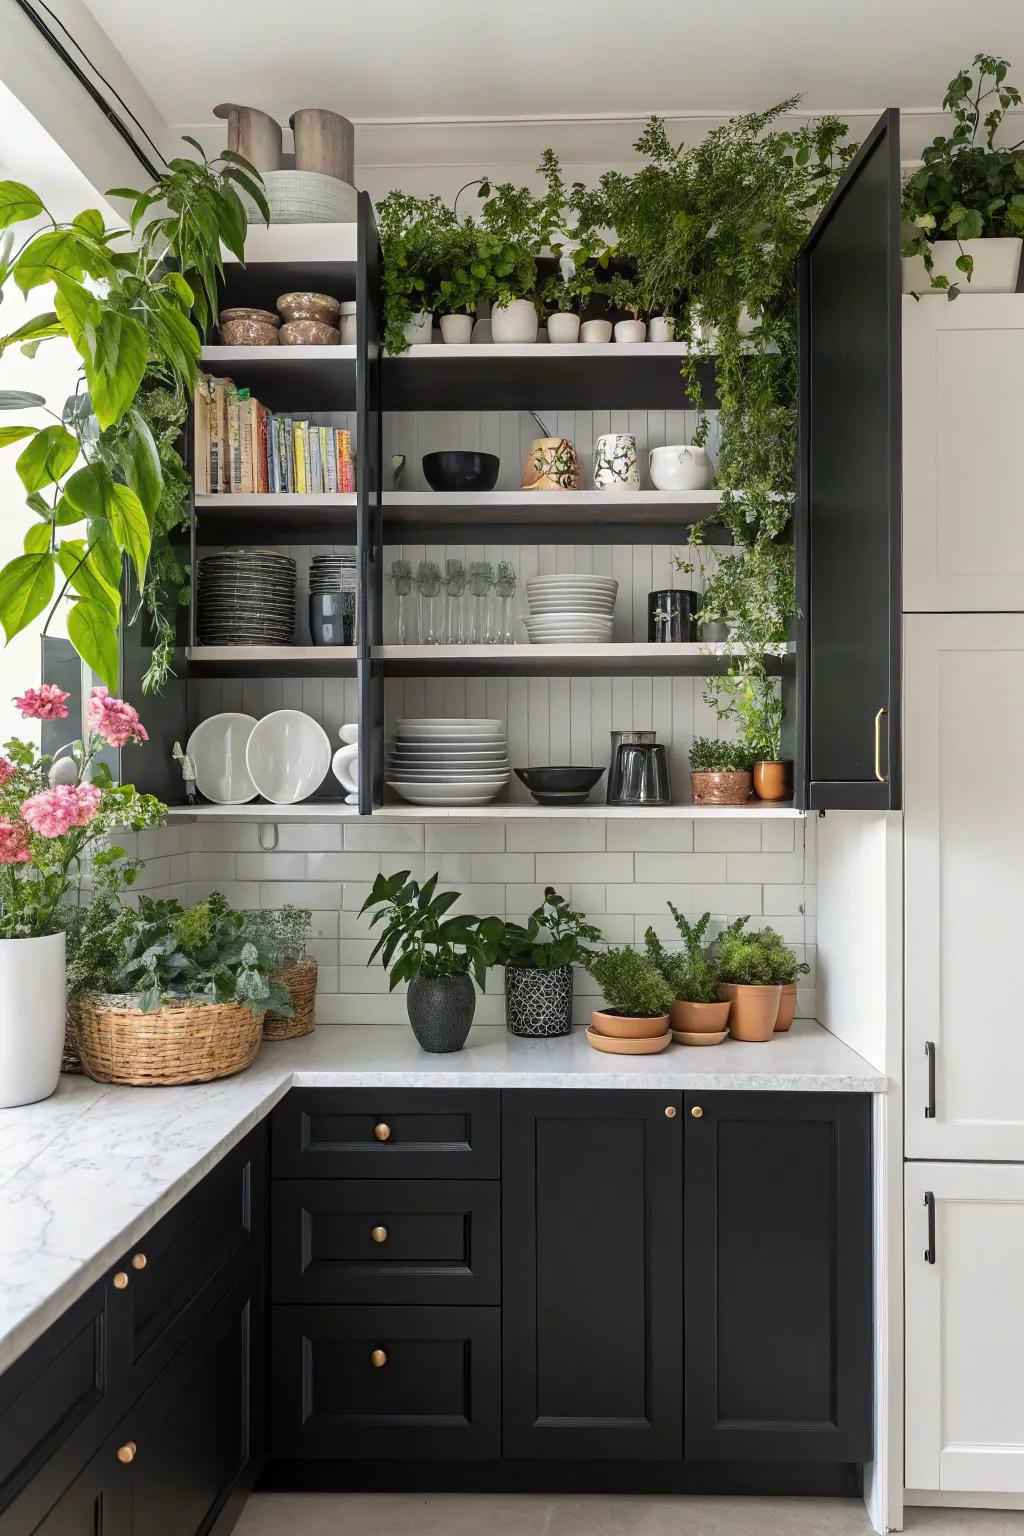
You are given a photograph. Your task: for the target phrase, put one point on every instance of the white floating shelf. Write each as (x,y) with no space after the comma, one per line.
(312,810)
(483,350)
(284,655)
(277,356)
(554,500)
(285,500)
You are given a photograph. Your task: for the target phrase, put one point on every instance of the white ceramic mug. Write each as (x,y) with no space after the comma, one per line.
(615,462)
(680,467)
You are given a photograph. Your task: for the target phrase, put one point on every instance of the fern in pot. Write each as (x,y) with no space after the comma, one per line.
(696,1008)
(285,931)
(636,993)
(438,955)
(539,957)
(746,971)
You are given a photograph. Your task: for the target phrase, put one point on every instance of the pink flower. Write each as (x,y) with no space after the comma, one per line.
(117,722)
(53,811)
(13,842)
(7,771)
(48,702)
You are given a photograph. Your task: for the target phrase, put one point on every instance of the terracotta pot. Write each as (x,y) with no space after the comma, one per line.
(787,1008)
(720,786)
(754,1010)
(773,781)
(699,1018)
(625,1026)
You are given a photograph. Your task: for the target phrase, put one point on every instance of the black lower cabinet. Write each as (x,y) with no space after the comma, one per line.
(98,1502)
(592,1289)
(778,1277)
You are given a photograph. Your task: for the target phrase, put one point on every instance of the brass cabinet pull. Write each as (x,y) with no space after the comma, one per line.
(697,1112)
(139,1261)
(670,1111)
(126,1452)
(382,1132)
(378,1357)
(121,1281)
(883,778)
(379,1234)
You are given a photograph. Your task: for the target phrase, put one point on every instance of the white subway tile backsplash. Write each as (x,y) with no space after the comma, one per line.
(654,834)
(506,867)
(720,836)
(706,867)
(782,868)
(648,898)
(265,866)
(780,836)
(341,866)
(459,837)
(783,899)
(321,895)
(563,868)
(219,866)
(726,900)
(309,837)
(555,836)
(365,836)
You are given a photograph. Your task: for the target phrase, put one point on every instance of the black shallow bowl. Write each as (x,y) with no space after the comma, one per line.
(455,470)
(559,786)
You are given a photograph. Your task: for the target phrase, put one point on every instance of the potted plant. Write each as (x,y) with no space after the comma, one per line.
(636,993)
(745,971)
(170,994)
(539,956)
(963,210)
(513,217)
(782,967)
(413,233)
(696,1008)
(459,286)
(624,293)
(437,955)
(720,772)
(57,820)
(286,930)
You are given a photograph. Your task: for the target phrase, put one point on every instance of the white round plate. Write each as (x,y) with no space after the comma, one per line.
(217,749)
(445,723)
(571,579)
(433,794)
(288,756)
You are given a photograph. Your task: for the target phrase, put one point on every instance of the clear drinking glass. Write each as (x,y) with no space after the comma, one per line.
(428,585)
(480,579)
(505,586)
(455,587)
(401,583)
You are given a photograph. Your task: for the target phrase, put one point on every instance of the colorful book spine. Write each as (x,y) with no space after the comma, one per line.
(301,456)
(246,467)
(234,440)
(346,471)
(291,481)
(262,451)
(328,461)
(201,436)
(314,485)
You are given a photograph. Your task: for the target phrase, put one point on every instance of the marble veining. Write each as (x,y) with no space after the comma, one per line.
(85,1174)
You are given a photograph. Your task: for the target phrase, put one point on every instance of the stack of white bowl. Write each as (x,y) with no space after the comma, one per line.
(571,610)
(449,762)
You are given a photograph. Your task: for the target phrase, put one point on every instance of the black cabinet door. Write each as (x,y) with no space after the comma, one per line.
(848,512)
(98,1502)
(778,1277)
(592,1281)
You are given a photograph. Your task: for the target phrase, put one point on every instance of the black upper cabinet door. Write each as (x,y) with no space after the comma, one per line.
(592,1283)
(778,1277)
(848,511)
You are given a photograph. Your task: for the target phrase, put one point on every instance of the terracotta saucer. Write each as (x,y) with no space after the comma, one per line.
(692,1037)
(644,1045)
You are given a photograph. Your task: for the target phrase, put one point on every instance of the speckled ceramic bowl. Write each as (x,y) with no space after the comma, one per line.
(309,306)
(248,328)
(309,333)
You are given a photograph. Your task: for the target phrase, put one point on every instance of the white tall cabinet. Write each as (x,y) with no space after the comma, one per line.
(963,711)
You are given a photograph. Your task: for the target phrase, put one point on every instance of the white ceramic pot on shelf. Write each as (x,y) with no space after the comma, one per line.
(33,1002)
(457,330)
(348,323)
(615,462)
(596,332)
(661,328)
(419,330)
(996,263)
(681,467)
(563,327)
(630,330)
(515,322)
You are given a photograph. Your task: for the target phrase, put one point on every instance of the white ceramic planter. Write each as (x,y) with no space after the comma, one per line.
(630,330)
(615,462)
(33,1001)
(594,332)
(996,261)
(457,330)
(348,324)
(563,327)
(515,322)
(680,468)
(662,328)
(419,330)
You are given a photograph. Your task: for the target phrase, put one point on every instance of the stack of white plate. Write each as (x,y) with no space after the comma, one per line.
(571,610)
(449,762)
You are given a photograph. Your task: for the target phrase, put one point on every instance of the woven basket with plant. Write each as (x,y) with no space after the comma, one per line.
(286,930)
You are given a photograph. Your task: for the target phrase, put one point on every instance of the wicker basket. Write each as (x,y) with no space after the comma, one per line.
(185,1043)
(300,979)
(304,197)
(71,1061)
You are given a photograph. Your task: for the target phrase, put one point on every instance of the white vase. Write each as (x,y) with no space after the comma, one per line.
(615,462)
(681,467)
(419,330)
(457,330)
(563,327)
(33,1003)
(515,322)
(996,260)
(594,332)
(630,330)
(662,328)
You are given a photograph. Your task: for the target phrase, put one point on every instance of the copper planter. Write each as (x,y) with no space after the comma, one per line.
(773,781)
(720,786)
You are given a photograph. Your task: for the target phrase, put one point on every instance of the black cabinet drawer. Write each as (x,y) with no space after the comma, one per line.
(387,1133)
(419,1241)
(385,1382)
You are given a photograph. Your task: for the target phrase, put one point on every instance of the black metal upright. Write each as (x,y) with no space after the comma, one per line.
(369,521)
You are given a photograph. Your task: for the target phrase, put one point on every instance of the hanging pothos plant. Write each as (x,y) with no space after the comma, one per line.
(105,481)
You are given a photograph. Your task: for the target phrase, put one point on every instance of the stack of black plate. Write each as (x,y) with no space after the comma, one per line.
(246,597)
(333,573)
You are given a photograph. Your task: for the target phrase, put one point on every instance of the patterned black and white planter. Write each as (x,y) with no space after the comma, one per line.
(538,1003)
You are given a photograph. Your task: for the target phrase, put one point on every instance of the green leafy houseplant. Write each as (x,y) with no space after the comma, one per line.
(125,298)
(632,985)
(567,935)
(744,961)
(710,756)
(966,187)
(692,974)
(283,930)
(426,940)
(411,231)
(781,963)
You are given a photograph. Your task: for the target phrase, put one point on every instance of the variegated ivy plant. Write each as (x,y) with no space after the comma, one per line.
(134,301)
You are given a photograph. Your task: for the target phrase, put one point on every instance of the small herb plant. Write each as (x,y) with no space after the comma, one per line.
(631,982)
(427,941)
(692,974)
(782,963)
(284,929)
(568,933)
(966,188)
(709,756)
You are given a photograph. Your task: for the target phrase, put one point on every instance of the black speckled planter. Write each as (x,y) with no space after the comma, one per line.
(538,1004)
(441,1011)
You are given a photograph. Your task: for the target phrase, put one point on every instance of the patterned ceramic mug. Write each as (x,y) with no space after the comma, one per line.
(615,462)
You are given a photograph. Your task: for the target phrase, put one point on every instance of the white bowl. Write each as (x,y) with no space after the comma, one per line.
(217,749)
(288,756)
(420,793)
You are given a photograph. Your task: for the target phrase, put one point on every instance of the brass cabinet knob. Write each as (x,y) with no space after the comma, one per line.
(670,1111)
(379,1234)
(126,1452)
(697,1112)
(139,1261)
(378,1357)
(382,1132)
(120,1281)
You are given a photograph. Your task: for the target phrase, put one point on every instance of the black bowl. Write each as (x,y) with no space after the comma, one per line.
(559,786)
(455,470)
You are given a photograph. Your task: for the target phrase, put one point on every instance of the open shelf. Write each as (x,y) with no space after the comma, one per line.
(288,518)
(629,657)
(329,810)
(307,379)
(272,660)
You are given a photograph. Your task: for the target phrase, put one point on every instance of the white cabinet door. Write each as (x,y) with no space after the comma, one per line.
(963,774)
(963,412)
(965,1328)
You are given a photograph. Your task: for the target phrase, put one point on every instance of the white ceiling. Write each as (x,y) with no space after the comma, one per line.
(465,59)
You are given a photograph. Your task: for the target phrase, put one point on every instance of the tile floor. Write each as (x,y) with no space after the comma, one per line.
(312,1514)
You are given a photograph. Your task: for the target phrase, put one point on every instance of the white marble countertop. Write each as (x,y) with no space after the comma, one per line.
(85,1174)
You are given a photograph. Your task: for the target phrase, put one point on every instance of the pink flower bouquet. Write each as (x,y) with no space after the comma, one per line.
(57,817)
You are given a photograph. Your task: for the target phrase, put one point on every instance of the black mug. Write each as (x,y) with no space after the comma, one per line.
(672,616)
(332,618)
